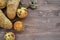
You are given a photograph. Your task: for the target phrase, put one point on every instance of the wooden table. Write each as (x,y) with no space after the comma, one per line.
(42,23)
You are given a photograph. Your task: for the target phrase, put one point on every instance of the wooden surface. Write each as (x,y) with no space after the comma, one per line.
(42,23)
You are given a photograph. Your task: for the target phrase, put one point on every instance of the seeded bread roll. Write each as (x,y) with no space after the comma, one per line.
(9,36)
(4,21)
(22,13)
(12,6)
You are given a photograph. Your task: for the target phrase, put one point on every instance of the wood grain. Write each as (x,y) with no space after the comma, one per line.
(42,23)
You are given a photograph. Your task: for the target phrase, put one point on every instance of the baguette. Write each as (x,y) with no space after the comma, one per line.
(12,6)
(4,21)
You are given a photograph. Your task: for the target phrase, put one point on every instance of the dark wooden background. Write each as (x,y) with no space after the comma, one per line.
(42,23)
